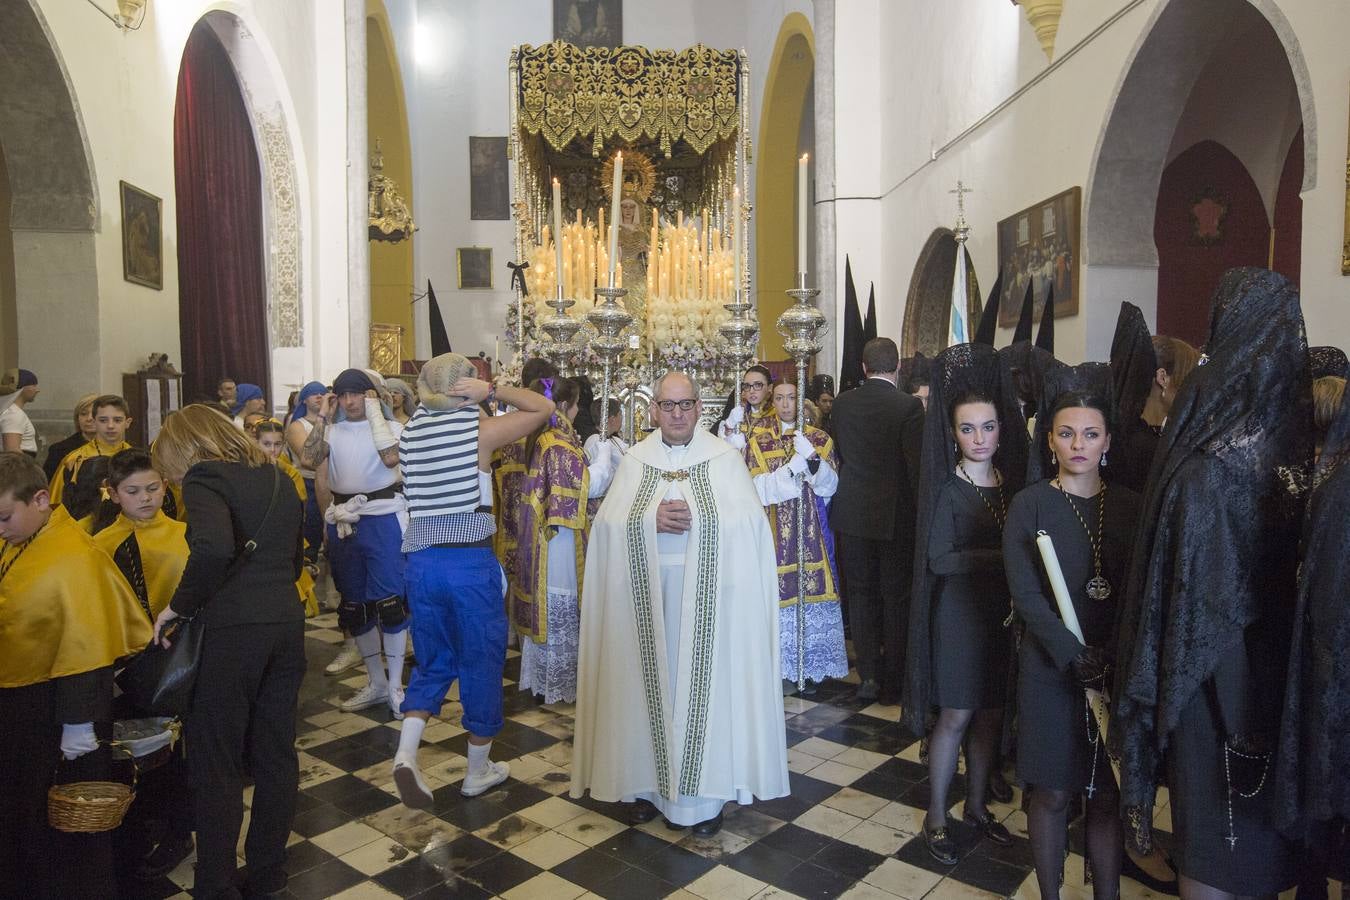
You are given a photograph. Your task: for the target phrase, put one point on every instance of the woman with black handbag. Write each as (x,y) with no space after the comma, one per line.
(245,553)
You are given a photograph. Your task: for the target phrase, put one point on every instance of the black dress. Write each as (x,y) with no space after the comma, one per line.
(970,646)
(1054,747)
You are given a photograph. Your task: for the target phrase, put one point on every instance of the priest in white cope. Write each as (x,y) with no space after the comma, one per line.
(679,706)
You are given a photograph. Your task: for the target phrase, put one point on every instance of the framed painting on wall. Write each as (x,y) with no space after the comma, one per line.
(588,23)
(142,238)
(475,268)
(1041,244)
(489,187)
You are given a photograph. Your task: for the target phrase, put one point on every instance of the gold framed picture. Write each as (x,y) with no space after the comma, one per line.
(142,237)
(475,268)
(1041,244)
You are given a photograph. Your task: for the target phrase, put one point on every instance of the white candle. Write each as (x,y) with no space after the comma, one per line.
(801,213)
(1055,576)
(616,196)
(557,229)
(736,240)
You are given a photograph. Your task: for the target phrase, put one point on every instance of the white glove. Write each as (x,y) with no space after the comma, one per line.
(798,464)
(735,420)
(735,439)
(77,740)
(803,446)
(379,428)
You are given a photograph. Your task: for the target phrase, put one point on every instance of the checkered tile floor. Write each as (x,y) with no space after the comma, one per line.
(850,828)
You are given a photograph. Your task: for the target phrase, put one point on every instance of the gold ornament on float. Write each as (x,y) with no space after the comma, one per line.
(390,219)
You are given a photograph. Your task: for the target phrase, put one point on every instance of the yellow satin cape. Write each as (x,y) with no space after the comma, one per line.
(164,551)
(64,607)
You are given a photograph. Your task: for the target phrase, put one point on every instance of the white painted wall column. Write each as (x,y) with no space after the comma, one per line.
(824,264)
(358,163)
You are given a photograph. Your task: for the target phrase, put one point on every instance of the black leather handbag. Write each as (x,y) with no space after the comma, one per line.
(161,679)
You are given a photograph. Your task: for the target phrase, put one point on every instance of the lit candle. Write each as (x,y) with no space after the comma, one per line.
(703,255)
(736,240)
(497,353)
(801,213)
(557,229)
(615,198)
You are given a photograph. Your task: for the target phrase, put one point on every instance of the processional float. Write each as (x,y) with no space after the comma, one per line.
(630,203)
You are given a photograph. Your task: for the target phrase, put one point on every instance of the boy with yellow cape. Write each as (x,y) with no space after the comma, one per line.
(66,615)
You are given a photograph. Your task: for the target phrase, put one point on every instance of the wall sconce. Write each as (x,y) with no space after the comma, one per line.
(130,13)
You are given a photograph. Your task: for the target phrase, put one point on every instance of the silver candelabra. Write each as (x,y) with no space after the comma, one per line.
(801,325)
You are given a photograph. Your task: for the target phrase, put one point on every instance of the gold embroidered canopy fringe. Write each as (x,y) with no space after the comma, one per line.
(603,93)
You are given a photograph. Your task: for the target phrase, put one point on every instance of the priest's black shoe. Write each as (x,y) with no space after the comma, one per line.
(642,811)
(999,789)
(940,844)
(164,858)
(990,827)
(708,827)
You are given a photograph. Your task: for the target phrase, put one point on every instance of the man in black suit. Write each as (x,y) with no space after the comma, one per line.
(878,434)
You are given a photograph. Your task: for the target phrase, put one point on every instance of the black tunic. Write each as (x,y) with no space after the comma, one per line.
(970,646)
(1053,749)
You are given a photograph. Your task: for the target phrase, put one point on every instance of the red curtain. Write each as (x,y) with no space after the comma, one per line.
(222,296)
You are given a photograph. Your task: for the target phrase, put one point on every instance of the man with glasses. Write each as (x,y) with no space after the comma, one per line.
(679,707)
(753,406)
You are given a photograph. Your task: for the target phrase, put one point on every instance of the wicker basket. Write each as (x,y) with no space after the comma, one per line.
(88,806)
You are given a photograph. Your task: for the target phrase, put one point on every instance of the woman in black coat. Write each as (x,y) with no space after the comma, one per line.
(245,551)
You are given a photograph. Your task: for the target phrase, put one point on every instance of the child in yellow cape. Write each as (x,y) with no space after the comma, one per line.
(66,616)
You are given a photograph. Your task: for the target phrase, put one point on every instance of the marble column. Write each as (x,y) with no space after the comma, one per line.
(358,163)
(827,361)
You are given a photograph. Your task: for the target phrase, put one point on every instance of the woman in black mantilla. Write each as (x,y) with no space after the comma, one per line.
(1059,750)
(974,454)
(1312,770)
(1207,619)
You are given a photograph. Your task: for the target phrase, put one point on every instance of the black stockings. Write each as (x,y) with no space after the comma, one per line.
(1195,890)
(943,746)
(1047,826)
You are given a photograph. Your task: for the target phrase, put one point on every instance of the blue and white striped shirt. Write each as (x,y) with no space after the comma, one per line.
(438,455)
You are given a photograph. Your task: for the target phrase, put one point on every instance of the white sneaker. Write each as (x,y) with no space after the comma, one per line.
(412,790)
(365,698)
(396,703)
(492,775)
(347,657)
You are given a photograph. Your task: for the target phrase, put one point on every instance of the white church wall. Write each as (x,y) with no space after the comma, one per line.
(455,72)
(125,85)
(951,64)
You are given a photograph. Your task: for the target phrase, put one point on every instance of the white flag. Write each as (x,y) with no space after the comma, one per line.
(957,330)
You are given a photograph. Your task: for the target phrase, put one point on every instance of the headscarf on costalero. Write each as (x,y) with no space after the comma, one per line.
(1312,773)
(1092,377)
(313,389)
(1328,361)
(955,371)
(1217,543)
(1134,365)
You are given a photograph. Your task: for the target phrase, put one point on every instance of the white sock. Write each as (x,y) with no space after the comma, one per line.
(369,645)
(411,735)
(478,757)
(395,645)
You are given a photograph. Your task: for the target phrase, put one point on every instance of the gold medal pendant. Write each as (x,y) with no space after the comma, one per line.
(1098,588)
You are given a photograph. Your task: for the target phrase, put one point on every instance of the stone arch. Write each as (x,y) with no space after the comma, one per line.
(928,303)
(786,91)
(1135,143)
(285,205)
(53,211)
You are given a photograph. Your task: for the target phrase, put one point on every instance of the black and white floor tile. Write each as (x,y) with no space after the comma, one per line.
(851,827)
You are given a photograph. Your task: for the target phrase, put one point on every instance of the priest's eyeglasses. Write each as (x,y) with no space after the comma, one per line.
(669,405)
